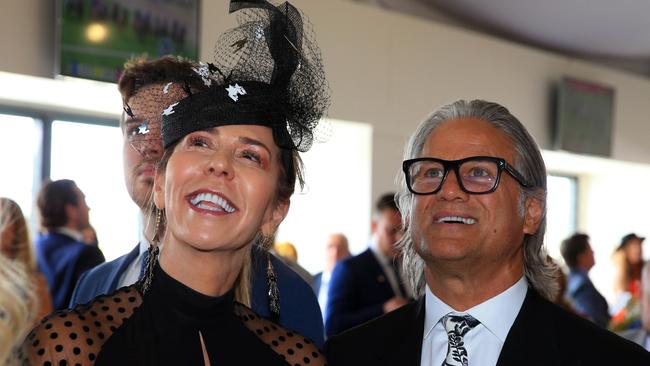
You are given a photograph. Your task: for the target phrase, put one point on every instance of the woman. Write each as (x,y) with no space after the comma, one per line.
(16,309)
(223,184)
(628,262)
(15,245)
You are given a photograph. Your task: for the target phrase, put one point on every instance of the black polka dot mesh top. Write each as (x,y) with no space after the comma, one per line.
(170,325)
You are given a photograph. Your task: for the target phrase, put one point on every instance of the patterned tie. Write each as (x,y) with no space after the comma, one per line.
(456,327)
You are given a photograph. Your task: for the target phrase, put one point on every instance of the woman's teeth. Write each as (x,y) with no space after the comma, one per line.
(211,202)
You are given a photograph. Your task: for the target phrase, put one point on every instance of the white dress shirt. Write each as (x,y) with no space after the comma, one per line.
(484,342)
(322,291)
(74,234)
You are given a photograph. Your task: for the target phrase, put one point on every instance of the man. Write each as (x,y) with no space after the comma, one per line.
(61,254)
(642,336)
(579,256)
(473,203)
(368,285)
(336,250)
(147,88)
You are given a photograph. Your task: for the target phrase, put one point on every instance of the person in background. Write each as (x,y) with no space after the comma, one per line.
(17,310)
(628,262)
(336,250)
(586,299)
(641,336)
(17,246)
(61,254)
(289,254)
(370,284)
(148,87)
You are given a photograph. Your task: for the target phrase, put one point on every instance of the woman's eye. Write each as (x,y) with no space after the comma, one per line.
(251,155)
(198,141)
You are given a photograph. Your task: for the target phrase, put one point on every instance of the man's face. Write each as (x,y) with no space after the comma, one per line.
(78,214)
(496,235)
(387,230)
(337,249)
(142,142)
(586,260)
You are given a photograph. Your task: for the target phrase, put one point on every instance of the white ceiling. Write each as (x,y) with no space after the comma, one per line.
(589,27)
(611,32)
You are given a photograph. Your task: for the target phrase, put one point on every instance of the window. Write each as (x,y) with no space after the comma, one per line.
(561,216)
(91,155)
(20,148)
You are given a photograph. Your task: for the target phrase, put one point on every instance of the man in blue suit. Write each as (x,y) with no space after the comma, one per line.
(368,285)
(579,256)
(147,88)
(61,254)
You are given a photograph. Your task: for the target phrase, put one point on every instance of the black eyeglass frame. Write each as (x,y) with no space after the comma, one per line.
(455,164)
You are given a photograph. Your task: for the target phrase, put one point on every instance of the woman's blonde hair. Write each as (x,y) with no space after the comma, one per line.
(20,248)
(17,309)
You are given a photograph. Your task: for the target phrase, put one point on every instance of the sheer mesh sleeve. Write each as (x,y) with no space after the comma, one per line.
(294,348)
(75,337)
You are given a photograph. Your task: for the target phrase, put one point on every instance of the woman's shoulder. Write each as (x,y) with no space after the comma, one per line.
(75,336)
(293,347)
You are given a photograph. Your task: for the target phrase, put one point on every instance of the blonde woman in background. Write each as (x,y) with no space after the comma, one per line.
(16,313)
(15,245)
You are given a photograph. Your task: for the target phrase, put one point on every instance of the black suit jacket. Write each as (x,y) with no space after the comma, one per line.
(542,334)
(357,292)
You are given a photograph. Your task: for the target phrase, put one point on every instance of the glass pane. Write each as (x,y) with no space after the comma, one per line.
(20,148)
(91,155)
(561,212)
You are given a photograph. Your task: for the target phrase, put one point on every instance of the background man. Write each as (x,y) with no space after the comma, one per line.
(579,256)
(336,249)
(473,203)
(368,285)
(61,254)
(147,88)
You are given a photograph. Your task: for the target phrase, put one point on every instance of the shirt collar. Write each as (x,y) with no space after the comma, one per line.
(74,234)
(144,243)
(383,260)
(497,314)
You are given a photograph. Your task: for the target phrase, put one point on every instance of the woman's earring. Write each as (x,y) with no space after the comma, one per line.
(274,292)
(151,256)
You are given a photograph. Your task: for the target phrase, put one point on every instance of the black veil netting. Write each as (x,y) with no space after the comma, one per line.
(266,71)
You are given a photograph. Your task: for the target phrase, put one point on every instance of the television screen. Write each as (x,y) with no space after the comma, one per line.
(585,113)
(96,37)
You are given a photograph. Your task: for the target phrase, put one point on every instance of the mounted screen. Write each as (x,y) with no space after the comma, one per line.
(585,113)
(96,37)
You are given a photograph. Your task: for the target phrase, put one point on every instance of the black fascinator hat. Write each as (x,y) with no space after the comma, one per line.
(266,71)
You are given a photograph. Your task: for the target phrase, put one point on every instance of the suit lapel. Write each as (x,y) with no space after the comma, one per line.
(404,344)
(112,280)
(531,339)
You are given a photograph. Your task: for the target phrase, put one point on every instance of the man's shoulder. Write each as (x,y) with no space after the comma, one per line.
(106,267)
(577,337)
(360,259)
(381,335)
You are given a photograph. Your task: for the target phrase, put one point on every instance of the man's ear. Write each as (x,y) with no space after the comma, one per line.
(277,216)
(159,190)
(533,212)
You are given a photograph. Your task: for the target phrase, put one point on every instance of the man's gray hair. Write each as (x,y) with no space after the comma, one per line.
(539,271)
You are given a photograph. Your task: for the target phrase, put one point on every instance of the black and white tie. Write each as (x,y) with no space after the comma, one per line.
(457,327)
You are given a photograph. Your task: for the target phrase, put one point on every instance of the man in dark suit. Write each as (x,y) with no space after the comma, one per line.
(147,88)
(368,285)
(473,202)
(579,256)
(61,254)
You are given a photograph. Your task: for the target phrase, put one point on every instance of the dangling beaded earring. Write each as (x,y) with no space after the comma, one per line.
(152,255)
(274,292)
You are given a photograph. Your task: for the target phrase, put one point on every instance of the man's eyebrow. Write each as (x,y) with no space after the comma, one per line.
(254,142)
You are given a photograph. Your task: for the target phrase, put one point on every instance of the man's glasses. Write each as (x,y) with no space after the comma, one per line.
(475,175)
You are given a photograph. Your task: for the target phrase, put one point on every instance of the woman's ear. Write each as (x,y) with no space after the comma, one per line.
(159,189)
(277,216)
